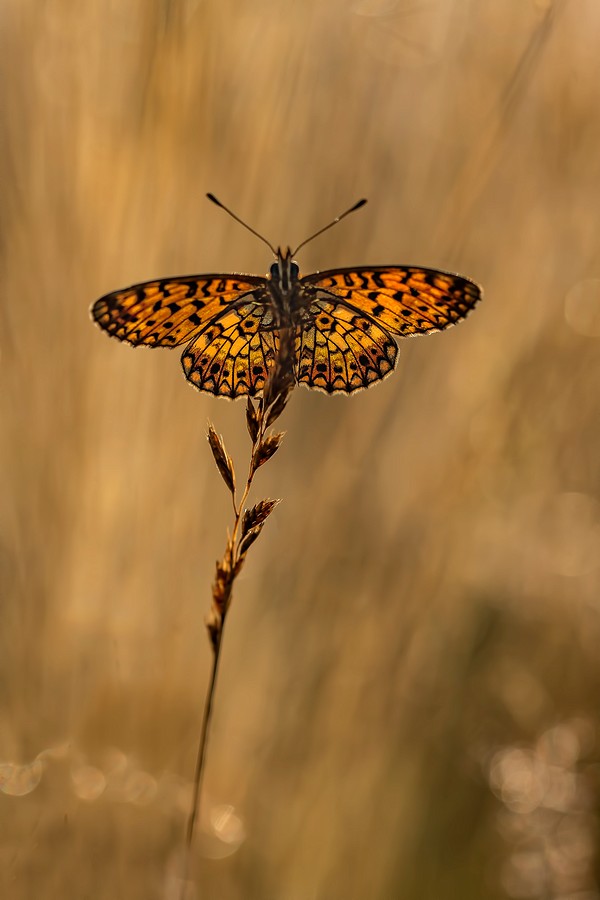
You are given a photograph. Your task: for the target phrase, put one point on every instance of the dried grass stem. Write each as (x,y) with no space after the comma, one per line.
(247,526)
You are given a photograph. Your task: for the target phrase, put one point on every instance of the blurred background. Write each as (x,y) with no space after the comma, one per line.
(408,699)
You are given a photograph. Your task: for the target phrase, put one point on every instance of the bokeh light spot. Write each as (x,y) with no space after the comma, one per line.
(88,782)
(17,781)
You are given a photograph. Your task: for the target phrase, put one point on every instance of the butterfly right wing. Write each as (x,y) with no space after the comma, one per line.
(169,311)
(342,351)
(405,300)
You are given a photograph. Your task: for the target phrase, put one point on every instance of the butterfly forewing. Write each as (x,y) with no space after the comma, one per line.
(167,312)
(404,300)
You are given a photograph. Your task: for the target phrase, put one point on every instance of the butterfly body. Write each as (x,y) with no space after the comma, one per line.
(289,302)
(346,321)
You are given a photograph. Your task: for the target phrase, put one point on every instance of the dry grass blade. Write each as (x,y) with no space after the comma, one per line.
(222,458)
(257,514)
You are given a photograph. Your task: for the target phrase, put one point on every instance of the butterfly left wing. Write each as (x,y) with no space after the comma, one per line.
(231,354)
(219,317)
(404,300)
(167,312)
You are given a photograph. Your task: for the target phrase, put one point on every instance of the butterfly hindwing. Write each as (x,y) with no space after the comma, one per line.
(404,300)
(167,312)
(231,354)
(343,350)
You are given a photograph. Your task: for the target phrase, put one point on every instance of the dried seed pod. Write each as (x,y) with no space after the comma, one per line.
(222,458)
(265,450)
(252,420)
(278,406)
(257,514)
(248,539)
(221,586)
(281,378)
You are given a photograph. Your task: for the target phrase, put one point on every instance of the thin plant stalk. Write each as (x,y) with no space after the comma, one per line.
(247,525)
(199,770)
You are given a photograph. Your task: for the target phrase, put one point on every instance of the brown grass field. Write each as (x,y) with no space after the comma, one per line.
(408,701)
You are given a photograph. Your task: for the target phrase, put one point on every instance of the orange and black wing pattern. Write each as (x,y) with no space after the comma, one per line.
(357,314)
(231,354)
(219,316)
(167,312)
(343,350)
(346,330)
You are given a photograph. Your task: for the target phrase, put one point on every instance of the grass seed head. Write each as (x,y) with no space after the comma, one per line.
(266,449)
(257,514)
(281,378)
(222,458)
(252,420)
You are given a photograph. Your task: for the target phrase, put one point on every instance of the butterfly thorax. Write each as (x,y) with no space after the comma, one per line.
(283,283)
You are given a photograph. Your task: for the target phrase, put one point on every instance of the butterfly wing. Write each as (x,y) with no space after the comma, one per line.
(231,354)
(219,316)
(404,300)
(167,312)
(355,312)
(343,350)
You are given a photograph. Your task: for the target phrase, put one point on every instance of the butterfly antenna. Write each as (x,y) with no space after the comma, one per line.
(357,205)
(237,219)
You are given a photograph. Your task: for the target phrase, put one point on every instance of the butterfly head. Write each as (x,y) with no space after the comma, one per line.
(284,273)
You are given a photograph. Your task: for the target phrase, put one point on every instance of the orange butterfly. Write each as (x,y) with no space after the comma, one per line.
(343,319)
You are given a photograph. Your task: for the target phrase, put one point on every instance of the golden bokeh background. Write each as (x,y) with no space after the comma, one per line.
(408,700)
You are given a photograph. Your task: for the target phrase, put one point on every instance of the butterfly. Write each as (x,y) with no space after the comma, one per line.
(345,322)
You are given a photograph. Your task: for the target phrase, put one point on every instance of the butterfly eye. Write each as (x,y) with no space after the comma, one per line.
(295,270)
(274,270)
